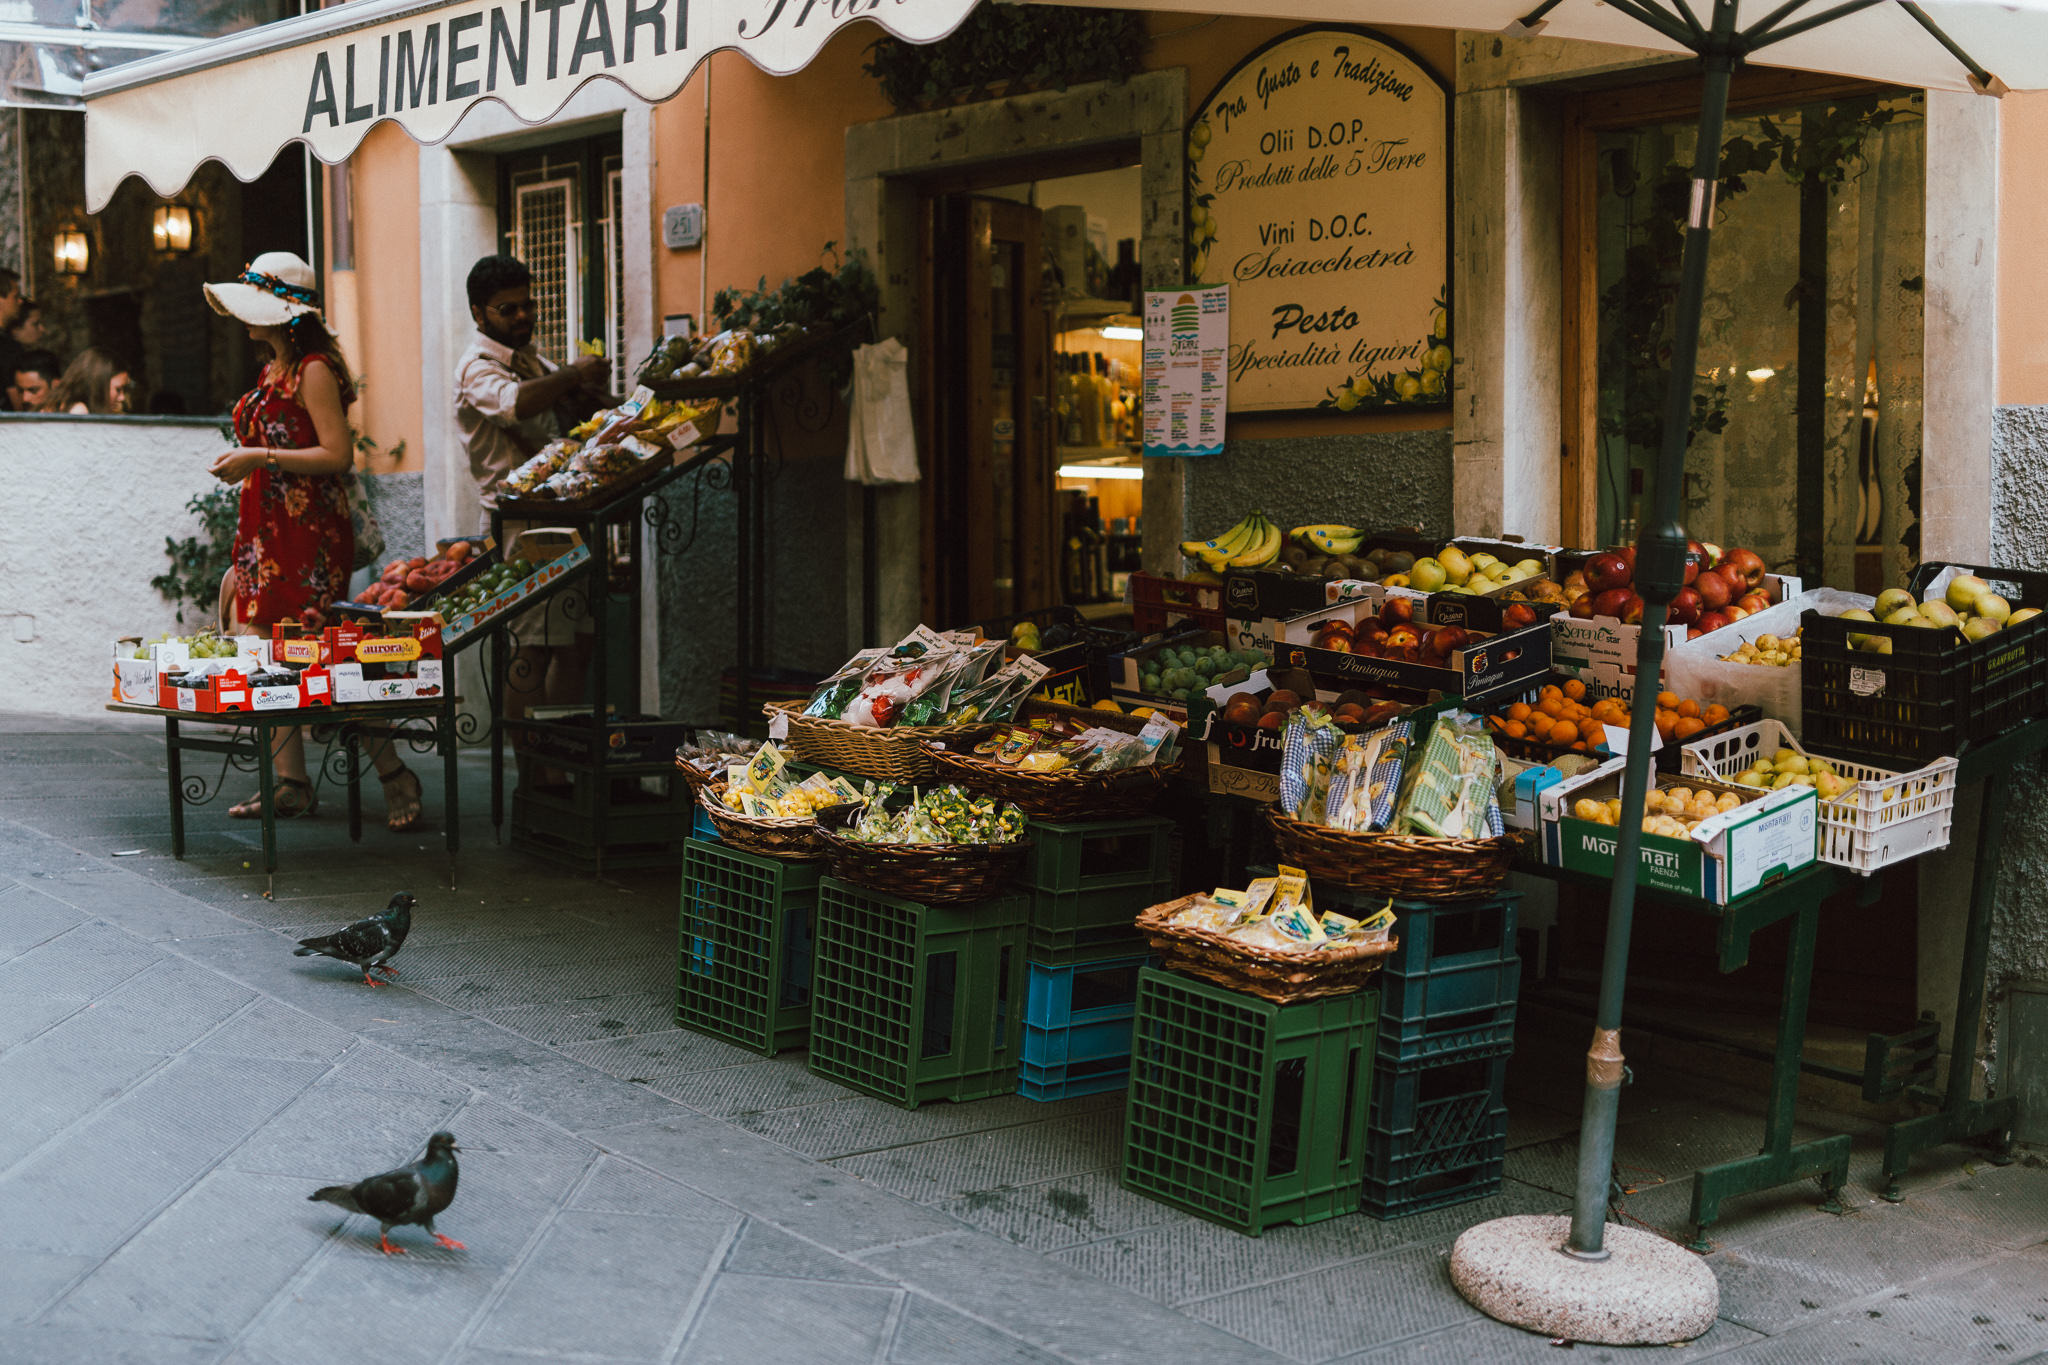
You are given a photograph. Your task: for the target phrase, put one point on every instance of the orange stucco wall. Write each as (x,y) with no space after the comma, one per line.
(2022,249)
(385,184)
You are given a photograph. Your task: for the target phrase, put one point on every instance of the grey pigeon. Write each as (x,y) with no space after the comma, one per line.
(410,1194)
(369,943)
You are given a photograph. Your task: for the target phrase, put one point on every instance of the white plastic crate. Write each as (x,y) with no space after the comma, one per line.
(1881,818)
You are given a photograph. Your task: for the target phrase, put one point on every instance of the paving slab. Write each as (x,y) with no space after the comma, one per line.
(1066,1212)
(929,1172)
(1483,1339)
(832,1324)
(762,1250)
(929,1334)
(1999,1310)
(69,1345)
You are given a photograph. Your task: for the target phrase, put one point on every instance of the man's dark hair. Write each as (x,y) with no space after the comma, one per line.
(38,362)
(489,275)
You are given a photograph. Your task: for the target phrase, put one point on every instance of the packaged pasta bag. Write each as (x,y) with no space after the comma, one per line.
(836,691)
(1453,785)
(1306,750)
(1366,781)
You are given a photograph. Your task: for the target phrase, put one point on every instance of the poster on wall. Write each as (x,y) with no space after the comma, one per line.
(1187,382)
(1319,191)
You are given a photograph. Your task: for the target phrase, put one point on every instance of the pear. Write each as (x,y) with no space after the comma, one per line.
(1890,600)
(1980,628)
(1904,616)
(1784,756)
(1878,644)
(1992,607)
(1857,614)
(1795,765)
(2023,614)
(1964,590)
(1754,778)
(1830,786)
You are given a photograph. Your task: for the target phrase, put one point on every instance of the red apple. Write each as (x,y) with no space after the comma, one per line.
(1747,567)
(1686,606)
(1581,608)
(1403,637)
(1712,621)
(1714,589)
(1517,616)
(1734,613)
(1713,551)
(1442,644)
(1628,553)
(1754,601)
(1605,572)
(1612,602)
(1695,559)
(1397,610)
(1632,610)
(1693,632)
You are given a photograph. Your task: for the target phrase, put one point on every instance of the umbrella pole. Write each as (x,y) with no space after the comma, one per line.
(1659,573)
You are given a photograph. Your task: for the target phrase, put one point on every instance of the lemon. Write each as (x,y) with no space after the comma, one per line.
(1107,705)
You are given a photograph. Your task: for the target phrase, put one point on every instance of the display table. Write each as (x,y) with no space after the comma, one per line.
(1779,1160)
(253,749)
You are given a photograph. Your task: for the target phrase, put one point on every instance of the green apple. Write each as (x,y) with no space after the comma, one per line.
(1457,568)
(1483,560)
(1427,575)
(1890,600)
(1964,590)
(1531,568)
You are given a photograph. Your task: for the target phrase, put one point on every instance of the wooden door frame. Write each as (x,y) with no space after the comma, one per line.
(1587,114)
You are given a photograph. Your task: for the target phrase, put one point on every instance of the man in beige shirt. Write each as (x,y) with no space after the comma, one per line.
(505,399)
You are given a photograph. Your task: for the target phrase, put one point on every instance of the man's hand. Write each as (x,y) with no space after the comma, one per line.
(592,372)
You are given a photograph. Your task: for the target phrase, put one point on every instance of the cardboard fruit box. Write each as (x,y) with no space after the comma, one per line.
(1484,666)
(230,691)
(1768,837)
(555,551)
(135,680)
(1602,649)
(1244,760)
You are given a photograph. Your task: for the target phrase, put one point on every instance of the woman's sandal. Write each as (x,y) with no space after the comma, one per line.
(402,813)
(295,797)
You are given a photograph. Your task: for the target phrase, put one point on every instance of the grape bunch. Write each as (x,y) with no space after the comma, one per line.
(206,644)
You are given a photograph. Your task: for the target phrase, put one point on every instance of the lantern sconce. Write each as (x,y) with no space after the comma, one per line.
(72,250)
(171,228)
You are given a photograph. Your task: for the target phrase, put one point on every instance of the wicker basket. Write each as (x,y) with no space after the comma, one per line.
(791,838)
(1265,972)
(1411,866)
(1061,795)
(933,874)
(897,754)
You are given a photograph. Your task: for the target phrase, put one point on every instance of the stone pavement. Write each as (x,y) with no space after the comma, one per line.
(173,1083)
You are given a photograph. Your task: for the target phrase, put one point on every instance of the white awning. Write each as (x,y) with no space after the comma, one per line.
(328,77)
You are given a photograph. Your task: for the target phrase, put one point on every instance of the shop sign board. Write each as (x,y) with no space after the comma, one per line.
(1319,191)
(327,77)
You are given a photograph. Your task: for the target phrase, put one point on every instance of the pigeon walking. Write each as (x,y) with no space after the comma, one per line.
(368,943)
(410,1194)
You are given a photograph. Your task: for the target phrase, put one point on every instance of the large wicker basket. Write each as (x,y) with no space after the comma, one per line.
(933,874)
(1265,972)
(897,754)
(1411,866)
(788,837)
(1062,795)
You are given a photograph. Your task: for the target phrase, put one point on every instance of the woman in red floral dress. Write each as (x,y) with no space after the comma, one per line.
(294,544)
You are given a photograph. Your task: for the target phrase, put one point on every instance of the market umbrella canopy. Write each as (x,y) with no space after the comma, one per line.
(328,77)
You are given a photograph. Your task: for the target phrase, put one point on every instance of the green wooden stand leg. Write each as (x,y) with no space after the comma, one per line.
(1960,1116)
(1781,1160)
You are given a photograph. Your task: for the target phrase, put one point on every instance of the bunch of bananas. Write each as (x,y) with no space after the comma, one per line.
(1328,538)
(1251,544)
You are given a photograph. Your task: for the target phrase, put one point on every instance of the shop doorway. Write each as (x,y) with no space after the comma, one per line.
(1029,377)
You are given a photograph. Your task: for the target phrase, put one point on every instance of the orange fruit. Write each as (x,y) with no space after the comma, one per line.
(1580,746)
(1575,689)
(1715,714)
(1687,727)
(1551,706)
(1665,723)
(1689,709)
(1519,711)
(1548,691)
(1514,729)
(1564,732)
(1589,729)
(1667,700)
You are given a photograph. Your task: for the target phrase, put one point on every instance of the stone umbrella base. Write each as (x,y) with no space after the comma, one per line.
(1649,1291)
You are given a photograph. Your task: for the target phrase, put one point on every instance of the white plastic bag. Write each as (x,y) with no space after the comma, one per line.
(1696,669)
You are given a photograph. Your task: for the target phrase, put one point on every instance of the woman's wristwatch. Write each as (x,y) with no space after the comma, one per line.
(270,458)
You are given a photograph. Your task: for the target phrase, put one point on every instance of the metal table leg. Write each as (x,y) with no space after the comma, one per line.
(353,750)
(1781,1160)
(492,705)
(451,786)
(266,768)
(174,761)
(1960,1116)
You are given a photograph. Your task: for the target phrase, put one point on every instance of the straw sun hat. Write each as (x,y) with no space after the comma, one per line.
(274,289)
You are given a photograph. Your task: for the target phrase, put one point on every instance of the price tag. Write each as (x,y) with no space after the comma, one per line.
(778,727)
(1617,740)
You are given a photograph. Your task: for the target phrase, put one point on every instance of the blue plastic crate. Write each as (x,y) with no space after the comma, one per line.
(1063,994)
(1103,1040)
(1047,1083)
(1436,935)
(701,826)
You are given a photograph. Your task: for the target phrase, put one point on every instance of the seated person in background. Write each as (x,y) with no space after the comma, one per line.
(27,327)
(94,383)
(34,382)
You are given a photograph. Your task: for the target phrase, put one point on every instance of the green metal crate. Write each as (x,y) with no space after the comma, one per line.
(1248,1113)
(1095,854)
(744,957)
(914,1002)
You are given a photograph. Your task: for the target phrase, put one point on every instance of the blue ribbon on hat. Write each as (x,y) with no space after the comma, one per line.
(291,293)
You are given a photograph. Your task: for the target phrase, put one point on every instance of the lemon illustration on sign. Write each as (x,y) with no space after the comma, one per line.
(1407,386)
(1199,264)
(1439,358)
(1361,384)
(1440,323)
(1347,401)
(1199,216)
(1199,135)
